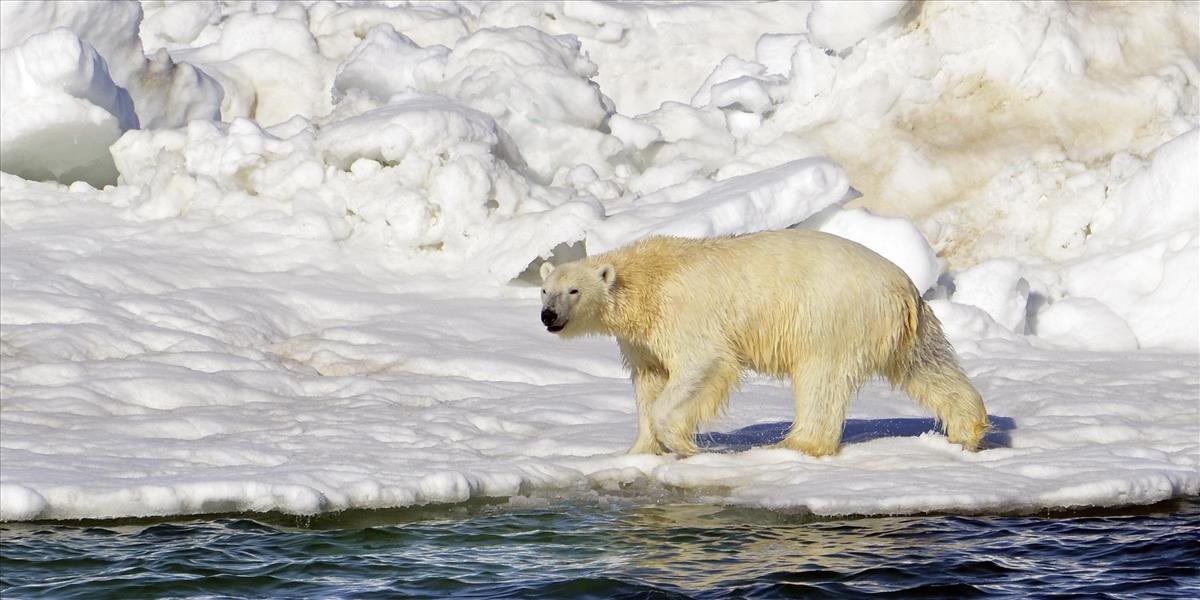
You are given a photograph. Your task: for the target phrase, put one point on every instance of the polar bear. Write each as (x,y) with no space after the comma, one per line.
(690,314)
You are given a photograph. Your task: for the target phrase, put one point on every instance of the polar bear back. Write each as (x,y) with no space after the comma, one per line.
(765,299)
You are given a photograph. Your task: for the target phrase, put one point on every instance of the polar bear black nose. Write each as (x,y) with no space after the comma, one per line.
(549,316)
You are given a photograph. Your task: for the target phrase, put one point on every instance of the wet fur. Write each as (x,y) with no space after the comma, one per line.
(690,315)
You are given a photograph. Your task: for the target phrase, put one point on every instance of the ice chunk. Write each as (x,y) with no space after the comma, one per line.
(998,288)
(696,140)
(538,89)
(270,68)
(339,28)
(425,125)
(61,110)
(813,72)
(744,93)
(770,199)
(387,63)
(164,93)
(1084,323)
(1153,286)
(635,134)
(174,25)
(1160,199)
(111,28)
(731,68)
(774,52)
(19,503)
(967,325)
(840,25)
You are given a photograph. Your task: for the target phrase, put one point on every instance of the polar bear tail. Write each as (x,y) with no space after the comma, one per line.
(928,371)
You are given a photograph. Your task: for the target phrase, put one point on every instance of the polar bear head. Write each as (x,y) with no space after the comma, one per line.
(575,296)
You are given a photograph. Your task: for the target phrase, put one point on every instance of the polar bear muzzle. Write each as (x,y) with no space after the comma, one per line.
(552,321)
(555,312)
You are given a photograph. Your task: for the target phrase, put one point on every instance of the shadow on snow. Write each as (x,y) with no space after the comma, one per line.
(856,431)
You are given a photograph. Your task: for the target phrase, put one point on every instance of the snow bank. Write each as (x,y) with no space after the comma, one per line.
(185,366)
(1135,286)
(1145,261)
(934,109)
(478,159)
(435,185)
(651,53)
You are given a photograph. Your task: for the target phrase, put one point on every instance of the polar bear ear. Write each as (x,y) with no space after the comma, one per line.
(546,269)
(608,274)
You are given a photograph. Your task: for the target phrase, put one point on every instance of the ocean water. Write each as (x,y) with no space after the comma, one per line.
(554,549)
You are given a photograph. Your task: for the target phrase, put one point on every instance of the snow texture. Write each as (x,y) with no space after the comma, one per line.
(278,256)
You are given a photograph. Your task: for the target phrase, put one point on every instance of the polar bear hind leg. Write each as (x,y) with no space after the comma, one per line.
(932,377)
(822,393)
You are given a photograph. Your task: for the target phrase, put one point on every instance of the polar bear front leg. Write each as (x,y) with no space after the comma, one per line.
(691,396)
(647,386)
(670,417)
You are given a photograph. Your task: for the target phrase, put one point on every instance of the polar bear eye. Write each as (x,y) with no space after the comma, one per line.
(543,291)
(573,292)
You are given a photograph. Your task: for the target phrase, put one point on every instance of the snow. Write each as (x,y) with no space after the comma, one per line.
(61,110)
(774,198)
(164,93)
(1146,259)
(75,78)
(1084,323)
(838,25)
(894,239)
(278,256)
(997,287)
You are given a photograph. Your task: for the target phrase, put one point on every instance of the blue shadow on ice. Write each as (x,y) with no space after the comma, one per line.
(856,431)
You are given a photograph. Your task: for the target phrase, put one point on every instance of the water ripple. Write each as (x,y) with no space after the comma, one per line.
(581,551)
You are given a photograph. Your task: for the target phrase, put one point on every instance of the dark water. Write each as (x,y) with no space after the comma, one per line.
(602,550)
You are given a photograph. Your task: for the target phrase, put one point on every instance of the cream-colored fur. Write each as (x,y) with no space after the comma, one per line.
(690,314)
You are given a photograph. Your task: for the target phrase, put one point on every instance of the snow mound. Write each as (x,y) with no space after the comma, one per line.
(838,25)
(61,110)
(1135,286)
(437,185)
(165,93)
(894,239)
(538,88)
(997,288)
(387,63)
(75,78)
(1084,323)
(771,199)
(19,503)
(1145,263)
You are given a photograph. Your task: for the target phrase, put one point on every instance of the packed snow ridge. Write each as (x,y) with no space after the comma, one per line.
(263,256)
